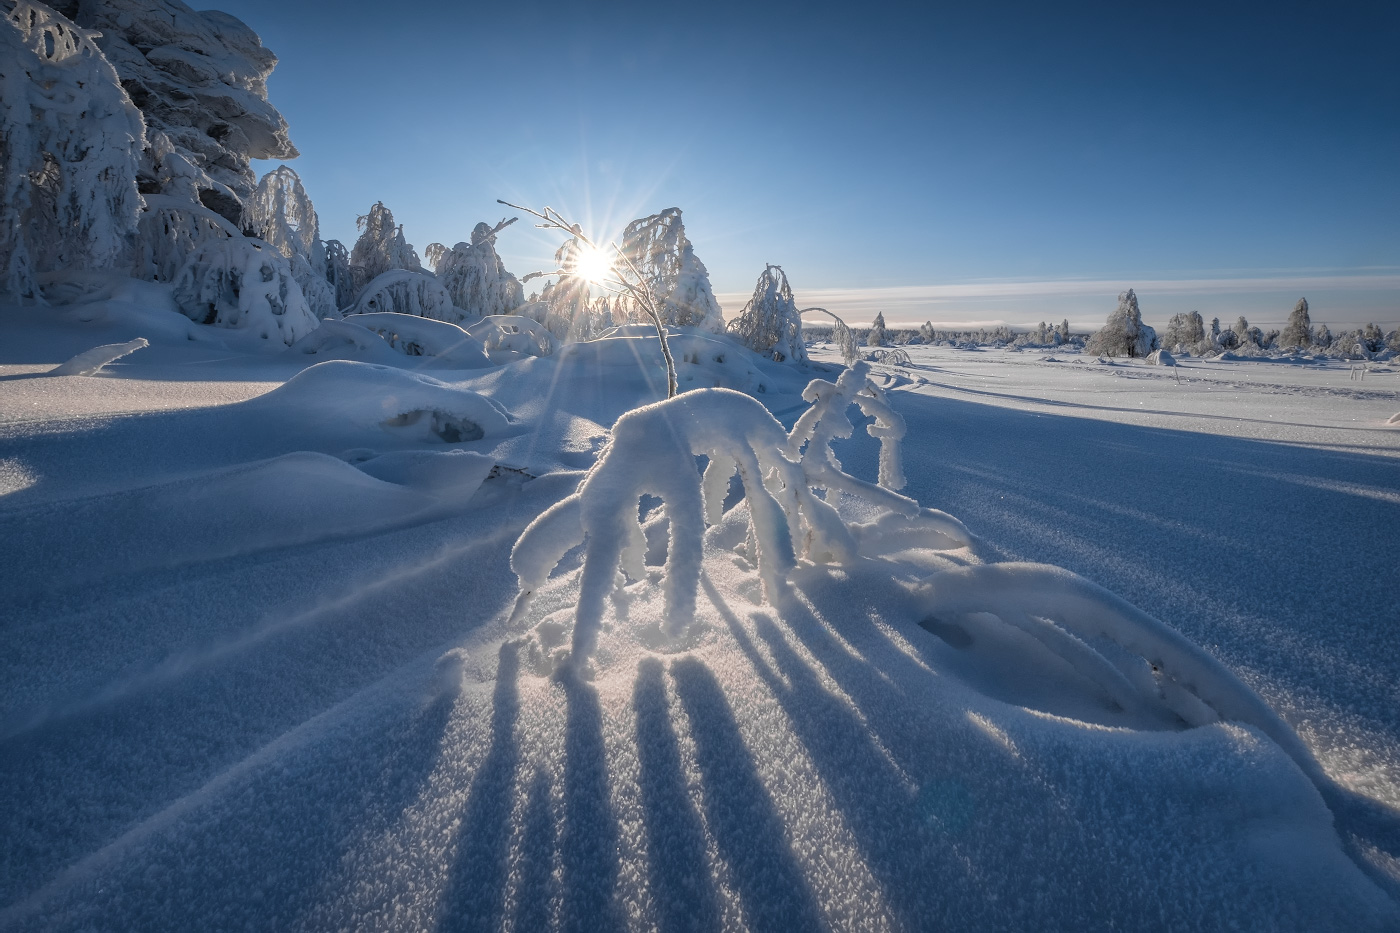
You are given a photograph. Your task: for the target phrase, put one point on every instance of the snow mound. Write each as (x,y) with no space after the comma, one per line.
(90,361)
(1143,667)
(417,336)
(364,396)
(1161,358)
(454,473)
(511,337)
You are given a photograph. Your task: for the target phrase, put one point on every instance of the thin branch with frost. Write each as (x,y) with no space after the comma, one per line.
(635,286)
(841,335)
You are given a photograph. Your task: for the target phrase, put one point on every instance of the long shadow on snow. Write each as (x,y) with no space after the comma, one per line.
(77,782)
(740,814)
(255,855)
(474,896)
(678,868)
(1238,543)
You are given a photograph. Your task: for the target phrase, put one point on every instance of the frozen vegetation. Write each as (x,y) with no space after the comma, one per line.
(345,593)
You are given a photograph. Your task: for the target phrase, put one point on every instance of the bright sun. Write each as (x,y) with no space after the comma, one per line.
(595,265)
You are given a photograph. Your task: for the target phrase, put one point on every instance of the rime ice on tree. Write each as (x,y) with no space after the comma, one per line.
(770,323)
(664,258)
(1124,334)
(281,213)
(474,275)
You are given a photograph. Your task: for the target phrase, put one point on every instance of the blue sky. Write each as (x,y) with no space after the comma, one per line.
(978,162)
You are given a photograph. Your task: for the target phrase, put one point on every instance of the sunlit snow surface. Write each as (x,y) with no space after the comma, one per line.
(258,672)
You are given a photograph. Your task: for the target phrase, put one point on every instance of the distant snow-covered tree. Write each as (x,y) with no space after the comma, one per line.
(475,277)
(381,247)
(70,144)
(877,336)
(1124,334)
(200,81)
(1372,338)
(1298,331)
(926,332)
(1323,336)
(663,256)
(1064,331)
(770,323)
(1184,330)
(281,213)
(1241,330)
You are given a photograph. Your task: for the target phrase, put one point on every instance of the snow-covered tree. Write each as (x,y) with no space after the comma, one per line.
(1241,330)
(1372,338)
(406,291)
(70,144)
(200,81)
(663,256)
(1323,336)
(1124,334)
(1064,331)
(475,277)
(877,336)
(381,247)
(926,332)
(770,323)
(1184,330)
(281,213)
(1298,331)
(241,283)
(1392,340)
(338,274)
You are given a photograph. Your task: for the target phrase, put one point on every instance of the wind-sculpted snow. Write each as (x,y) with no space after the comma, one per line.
(651,453)
(438,341)
(89,362)
(510,337)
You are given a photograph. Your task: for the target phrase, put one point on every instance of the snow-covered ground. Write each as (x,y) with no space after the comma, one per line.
(262,668)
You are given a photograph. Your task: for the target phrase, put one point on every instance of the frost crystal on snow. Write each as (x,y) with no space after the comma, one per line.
(70,144)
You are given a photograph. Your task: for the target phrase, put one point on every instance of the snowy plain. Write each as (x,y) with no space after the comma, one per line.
(262,669)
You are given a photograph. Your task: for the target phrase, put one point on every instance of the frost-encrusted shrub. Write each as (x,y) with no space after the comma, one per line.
(402,291)
(770,323)
(245,284)
(475,277)
(665,260)
(652,452)
(381,247)
(1298,331)
(1124,334)
(281,213)
(70,144)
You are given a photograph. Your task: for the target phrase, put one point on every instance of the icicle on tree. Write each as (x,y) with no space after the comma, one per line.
(877,337)
(1298,331)
(612,271)
(658,249)
(652,452)
(1124,334)
(282,215)
(474,275)
(770,323)
(70,144)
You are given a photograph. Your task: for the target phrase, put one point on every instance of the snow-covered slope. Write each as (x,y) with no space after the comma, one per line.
(263,668)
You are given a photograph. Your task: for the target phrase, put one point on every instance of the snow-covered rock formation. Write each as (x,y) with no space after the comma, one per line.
(1124,334)
(200,80)
(70,145)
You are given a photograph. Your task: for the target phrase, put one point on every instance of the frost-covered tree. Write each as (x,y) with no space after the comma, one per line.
(474,275)
(70,144)
(241,283)
(406,291)
(1392,340)
(770,323)
(1298,331)
(281,213)
(1241,330)
(1064,331)
(200,81)
(658,249)
(338,274)
(381,247)
(1184,330)
(566,306)
(1323,336)
(877,336)
(1124,334)
(1372,338)
(926,332)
